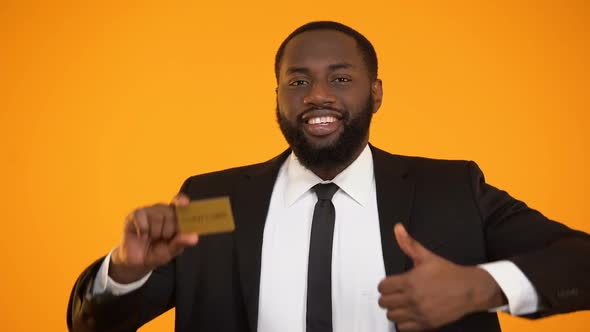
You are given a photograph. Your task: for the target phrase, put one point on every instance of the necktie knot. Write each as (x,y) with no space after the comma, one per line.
(325,191)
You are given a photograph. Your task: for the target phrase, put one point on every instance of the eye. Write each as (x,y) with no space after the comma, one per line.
(298,83)
(342,79)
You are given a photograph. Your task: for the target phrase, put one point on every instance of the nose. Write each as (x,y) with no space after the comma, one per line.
(319,95)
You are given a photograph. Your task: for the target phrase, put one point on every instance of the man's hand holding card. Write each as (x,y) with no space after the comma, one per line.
(155,234)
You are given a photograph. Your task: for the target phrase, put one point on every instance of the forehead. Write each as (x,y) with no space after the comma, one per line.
(321,48)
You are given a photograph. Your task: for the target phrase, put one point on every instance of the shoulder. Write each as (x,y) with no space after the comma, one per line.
(429,174)
(416,166)
(222,182)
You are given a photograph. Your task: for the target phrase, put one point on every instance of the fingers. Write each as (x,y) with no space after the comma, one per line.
(137,222)
(405,312)
(394,284)
(163,226)
(428,295)
(152,237)
(395,300)
(156,222)
(180,241)
(403,317)
(404,309)
(161,221)
(180,200)
(158,253)
(161,252)
(410,326)
(169,228)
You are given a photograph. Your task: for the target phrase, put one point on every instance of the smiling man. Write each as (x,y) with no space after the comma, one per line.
(326,97)
(321,240)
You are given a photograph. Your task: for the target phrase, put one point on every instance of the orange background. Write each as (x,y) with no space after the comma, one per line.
(108,106)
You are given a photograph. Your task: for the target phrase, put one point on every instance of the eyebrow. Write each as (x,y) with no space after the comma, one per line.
(305,70)
(342,65)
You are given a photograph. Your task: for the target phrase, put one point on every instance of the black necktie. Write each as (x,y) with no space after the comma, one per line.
(319,273)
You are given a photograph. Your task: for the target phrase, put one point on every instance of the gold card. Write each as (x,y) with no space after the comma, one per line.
(206,216)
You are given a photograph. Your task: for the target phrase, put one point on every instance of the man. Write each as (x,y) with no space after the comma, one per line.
(321,240)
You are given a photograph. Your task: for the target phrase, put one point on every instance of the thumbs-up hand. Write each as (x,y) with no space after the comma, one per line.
(435,291)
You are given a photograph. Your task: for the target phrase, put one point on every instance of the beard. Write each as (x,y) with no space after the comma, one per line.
(337,154)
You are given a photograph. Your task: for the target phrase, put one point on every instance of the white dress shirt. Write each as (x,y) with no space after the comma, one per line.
(357,257)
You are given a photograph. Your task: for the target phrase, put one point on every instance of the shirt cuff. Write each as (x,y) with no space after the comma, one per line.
(522,296)
(104,284)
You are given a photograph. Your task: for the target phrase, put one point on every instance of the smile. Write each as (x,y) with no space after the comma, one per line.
(321,119)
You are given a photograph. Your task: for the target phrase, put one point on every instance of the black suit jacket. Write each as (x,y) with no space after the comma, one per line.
(446,205)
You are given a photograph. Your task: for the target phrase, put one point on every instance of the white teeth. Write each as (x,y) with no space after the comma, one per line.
(322,119)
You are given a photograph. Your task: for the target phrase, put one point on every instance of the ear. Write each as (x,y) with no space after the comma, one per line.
(377,94)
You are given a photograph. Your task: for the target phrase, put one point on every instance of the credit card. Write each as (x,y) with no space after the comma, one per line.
(206,216)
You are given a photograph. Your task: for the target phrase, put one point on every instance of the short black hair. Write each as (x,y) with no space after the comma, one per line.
(363,44)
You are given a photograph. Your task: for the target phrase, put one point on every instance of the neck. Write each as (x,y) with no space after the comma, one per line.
(329,173)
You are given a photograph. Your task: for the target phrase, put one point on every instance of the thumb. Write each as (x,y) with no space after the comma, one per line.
(180,200)
(409,246)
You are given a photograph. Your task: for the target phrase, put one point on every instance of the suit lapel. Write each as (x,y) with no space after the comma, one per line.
(250,203)
(395,192)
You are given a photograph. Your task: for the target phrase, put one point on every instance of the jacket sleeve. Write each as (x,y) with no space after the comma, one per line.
(555,258)
(107,312)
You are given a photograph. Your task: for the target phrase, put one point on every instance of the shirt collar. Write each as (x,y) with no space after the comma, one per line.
(356,180)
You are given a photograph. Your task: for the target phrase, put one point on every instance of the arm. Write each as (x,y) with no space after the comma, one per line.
(108,312)
(552,256)
(150,243)
(436,291)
